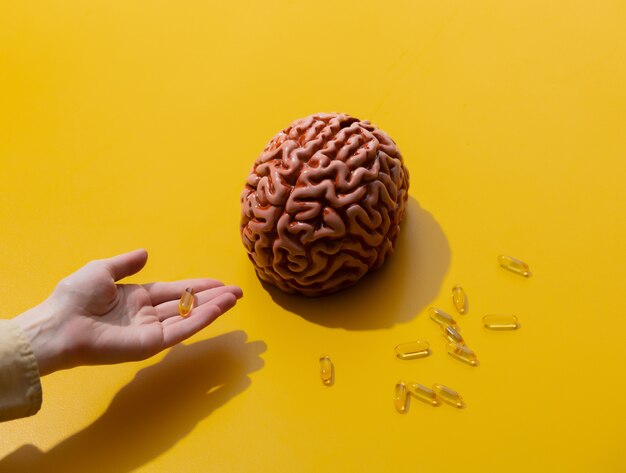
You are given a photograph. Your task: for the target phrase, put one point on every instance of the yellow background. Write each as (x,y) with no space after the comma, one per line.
(133,124)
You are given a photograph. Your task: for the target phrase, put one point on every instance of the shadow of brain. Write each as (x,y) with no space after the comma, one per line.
(395,293)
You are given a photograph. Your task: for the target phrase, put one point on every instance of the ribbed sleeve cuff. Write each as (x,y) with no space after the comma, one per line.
(20,386)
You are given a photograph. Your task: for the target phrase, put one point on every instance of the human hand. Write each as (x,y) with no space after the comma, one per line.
(89,319)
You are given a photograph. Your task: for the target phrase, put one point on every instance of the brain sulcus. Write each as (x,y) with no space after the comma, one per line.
(323,203)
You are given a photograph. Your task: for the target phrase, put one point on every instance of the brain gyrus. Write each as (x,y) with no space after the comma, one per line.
(323,203)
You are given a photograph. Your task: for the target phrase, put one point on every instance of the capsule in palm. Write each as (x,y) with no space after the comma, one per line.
(514,265)
(186,302)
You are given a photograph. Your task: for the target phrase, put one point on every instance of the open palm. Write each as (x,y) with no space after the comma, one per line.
(90,319)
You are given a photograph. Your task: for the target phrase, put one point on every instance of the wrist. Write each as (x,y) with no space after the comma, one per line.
(40,327)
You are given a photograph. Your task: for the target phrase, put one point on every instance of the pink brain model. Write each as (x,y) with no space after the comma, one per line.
(323,204)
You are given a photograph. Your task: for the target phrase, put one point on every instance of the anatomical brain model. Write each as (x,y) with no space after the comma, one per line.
(323,204)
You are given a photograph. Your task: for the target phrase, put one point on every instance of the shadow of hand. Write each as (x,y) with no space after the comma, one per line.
(395,293)
(154,411)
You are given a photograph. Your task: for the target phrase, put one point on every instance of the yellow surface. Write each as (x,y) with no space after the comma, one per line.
(133,124)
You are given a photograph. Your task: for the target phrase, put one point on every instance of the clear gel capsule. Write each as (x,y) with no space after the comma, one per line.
(424,394)
(451,334)
(449,396)
(401,397)
(442,318)
(412,350)
(501,322)
(186,302)
(462,353)
(459,298)
(514,265)
(326,370)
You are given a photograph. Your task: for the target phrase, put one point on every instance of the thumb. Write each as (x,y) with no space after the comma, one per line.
(126,264)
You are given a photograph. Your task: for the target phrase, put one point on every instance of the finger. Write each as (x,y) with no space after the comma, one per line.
(180,328)
(167,291)
(126,264)
(170,308)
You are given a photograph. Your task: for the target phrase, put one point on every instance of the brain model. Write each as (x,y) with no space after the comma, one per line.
(323,204)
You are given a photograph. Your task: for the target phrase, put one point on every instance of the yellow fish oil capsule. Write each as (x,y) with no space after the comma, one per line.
(453,335)
(514,265)
(326,370)
(401,399)
(412,350)
(442,318)
(462,353)
(449,396)
(459,298)
(501,322)
(186,302)
(424,394)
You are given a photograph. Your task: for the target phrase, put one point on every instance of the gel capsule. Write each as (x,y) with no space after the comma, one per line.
(459,299)
(449,396)
(326,370)
(424,394)
(451,334)
(401,397)
(514,265)
(501,322)
(186,302)
(442,318)
(462,353)
(412,350)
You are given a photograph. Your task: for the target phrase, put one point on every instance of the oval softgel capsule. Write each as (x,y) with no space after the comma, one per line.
(412,350)
(326,370)
(401,397)
(501,322)
(462,353)
(514,265)
(186,302)
(449,396)
(424,394)
(442,318)
(453,335)
(459,299)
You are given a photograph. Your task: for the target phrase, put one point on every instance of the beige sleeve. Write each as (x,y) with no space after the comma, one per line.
(20,388)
